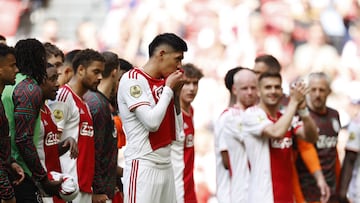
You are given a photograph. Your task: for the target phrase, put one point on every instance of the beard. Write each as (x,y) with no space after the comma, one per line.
(90,86)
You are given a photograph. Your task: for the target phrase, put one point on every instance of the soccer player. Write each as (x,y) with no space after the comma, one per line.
(149,106)
(74,119)
(245,90)
(49,146)
(104,132)
(268,139)
(125,66)
(349,179)
(223,170)
(54,55)
(22,103)
(121,139)
(66,71)
(183,152)
(328,123)
(8,70)
(268,63)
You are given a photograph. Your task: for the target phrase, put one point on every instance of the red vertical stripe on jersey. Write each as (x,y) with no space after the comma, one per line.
(166,132)
(133,179)
(86,158)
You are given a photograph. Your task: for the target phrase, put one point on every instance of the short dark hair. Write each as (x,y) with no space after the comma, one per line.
(52,49)
(170,39)
(69,57)
(125,65)
(86,57)
(111,63)
(191,71)
(31,58)
(5,50)
(270,75)
(229,77)
(270,61)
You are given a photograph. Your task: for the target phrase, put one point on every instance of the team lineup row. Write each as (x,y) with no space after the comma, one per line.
(64,134)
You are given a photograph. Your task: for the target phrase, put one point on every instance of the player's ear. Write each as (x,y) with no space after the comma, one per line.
(81,70)
(114,73)
(162,52)
(68,69)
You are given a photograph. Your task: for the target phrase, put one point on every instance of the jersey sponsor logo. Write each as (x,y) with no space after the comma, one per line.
(58,115)
(135,91)
(326,142)
(283,143)
(51,139)
(189,140)
(86,129)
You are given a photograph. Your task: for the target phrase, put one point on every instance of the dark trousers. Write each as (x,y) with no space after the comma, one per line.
(27,192)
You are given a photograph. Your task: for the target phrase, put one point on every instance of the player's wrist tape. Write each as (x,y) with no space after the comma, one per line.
(303,112)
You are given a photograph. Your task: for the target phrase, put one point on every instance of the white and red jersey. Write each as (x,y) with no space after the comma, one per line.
(270,159)
(183,156)
(74,120)
(137,88)
(237,154)
(47,146)
(353,144)
(222,174)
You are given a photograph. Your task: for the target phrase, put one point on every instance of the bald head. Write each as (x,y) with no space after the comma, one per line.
(244,74)
(245,88)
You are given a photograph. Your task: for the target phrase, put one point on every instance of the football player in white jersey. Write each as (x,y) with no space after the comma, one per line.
(49,146)
(245,90)
(268,139)
(148,100)
(74,119)
(183,151)
(221,149)
(349,190)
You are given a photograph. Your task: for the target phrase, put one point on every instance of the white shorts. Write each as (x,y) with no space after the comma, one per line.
(147,182)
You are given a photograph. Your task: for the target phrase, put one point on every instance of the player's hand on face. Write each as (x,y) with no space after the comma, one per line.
(175,80)
(73,148)
(99,198)
(20,175)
